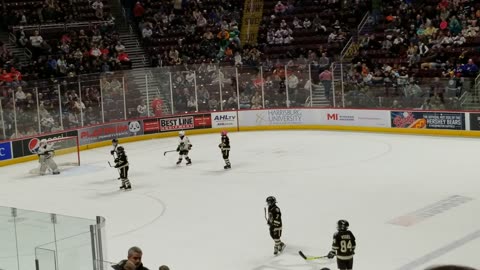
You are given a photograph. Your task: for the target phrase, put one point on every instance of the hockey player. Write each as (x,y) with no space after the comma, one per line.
(45,157)
(115,145)
(343,246)
(121,163)
(274,221)
(184,146)
(225,147)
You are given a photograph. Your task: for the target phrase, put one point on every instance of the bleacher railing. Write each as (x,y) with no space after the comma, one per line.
(37,240)
(42,106)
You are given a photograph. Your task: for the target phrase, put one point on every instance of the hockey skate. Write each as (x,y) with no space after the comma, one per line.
(189,161)
(228,166)
(129,187)
(282,247)
(275,250)
(56,173)
(123,187)
(179,161)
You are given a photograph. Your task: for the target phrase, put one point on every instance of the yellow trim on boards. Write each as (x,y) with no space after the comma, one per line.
(409,131)
(124,140)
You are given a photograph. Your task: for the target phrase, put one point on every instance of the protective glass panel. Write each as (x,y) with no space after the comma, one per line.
(298,85)
(33,229)
(250,87)
(112,87)
(184,89)
(45,257)
(159,92)
(49,104)
(70,102)
(274,86)
(8,260)
(227,97)
(26,112)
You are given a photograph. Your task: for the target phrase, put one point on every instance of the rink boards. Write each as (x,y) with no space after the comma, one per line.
(444,123)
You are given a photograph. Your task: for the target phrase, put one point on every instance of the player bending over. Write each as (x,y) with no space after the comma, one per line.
(121,163)
(45,157)
(343,246)
(184,146)
(275,224)
(225,147)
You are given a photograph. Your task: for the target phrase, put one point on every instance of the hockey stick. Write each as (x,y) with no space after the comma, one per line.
(265,213)
(109,164)
(169,151)
(311,258)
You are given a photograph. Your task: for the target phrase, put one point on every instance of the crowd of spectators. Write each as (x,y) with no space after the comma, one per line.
(64,103)
(54,11)
(189,31)
(438,40)
(290,28)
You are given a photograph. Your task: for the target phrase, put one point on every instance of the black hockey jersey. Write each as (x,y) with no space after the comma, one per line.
(274,216)
(344,244)
(225,144)
(122,160)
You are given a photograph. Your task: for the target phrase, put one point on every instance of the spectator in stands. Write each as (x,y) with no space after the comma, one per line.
(98,7)
(325,78)
(135,257)
(157,106)
(279,8)
(469,69)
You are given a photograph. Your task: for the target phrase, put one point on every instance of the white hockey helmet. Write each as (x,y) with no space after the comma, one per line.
(43,141)
(181,133)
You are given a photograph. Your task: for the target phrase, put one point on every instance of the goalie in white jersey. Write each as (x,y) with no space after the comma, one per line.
(45,157)
(183,147)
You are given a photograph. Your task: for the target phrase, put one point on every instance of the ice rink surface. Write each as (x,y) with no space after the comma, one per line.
(400,194)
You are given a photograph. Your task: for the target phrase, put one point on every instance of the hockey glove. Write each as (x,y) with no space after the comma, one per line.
(331,254)
(178,149)
(190,147)
(111,152)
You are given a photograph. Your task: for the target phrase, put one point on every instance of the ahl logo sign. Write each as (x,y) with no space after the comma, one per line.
(227,119)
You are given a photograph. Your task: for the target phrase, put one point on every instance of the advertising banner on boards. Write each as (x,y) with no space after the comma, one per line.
(109,131)
(428,120)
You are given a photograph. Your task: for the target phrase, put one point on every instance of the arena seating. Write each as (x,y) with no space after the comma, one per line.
(189,33)
(293,28)
(420,55)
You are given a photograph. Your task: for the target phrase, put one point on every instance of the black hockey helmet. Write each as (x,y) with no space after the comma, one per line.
(342,225)
(271,200)
(120,149)
(115,142)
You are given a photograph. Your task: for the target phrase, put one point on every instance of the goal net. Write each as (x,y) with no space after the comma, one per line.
(67,152)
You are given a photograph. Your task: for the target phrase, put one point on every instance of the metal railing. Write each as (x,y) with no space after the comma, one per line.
(72,102)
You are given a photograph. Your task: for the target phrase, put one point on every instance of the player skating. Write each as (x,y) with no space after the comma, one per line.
(184,146)
(45,157)
(121,163)
(343,246)
(114,152)
(274,222)
(225,148)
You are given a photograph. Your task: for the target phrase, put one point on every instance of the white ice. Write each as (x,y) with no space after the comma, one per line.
(203,217)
